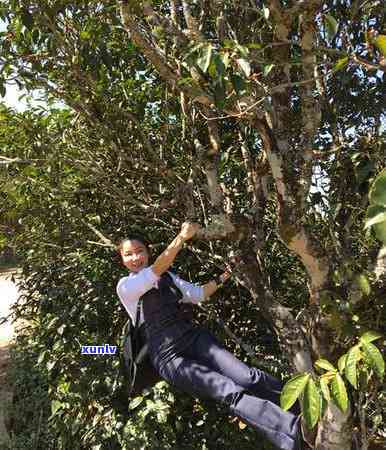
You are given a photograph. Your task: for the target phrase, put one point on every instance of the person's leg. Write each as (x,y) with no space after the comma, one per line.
(197,379)
(211,352)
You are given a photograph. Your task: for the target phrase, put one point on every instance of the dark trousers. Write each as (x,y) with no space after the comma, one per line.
(207,369)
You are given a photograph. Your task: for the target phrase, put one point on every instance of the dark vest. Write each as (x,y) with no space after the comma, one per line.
(167,325)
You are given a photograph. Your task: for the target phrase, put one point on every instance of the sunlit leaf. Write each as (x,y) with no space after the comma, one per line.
(135,402)
(340,64)
(55,406)
(325,389)
(370,336)
(350,371)
(324,364)
(292,390)
(380,43)
(363,284)
(339,392)
(204,58)
(267,69)
(375,214)
(378,190)
(342,363)
(374,358)
(245,66)
(311,404)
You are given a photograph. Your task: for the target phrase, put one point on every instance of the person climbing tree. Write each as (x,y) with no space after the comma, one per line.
(188,356)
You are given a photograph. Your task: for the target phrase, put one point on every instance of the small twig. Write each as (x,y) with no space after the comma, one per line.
(99,243)
(99,234)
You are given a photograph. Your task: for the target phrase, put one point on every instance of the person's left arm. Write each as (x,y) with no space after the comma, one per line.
(194,293)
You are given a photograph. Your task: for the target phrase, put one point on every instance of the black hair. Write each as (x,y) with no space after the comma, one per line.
(134,237)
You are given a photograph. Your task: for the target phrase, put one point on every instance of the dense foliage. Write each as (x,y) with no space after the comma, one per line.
(263,121)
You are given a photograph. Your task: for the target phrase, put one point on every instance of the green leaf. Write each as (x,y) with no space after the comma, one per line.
(378,190)
(380,231)
(244,51)
(324,364)
(363,284)
(228,43)
(205,56)
(340,64)
(266,12)
(331,26)
(135,402)
(41,357)
(374,359)
(85,35)
(51,365)
(311,404)
(292,390)
(370,336)
(375,214)
(55,406)
(324,388)
(225,59)
(342,363)
(217,67)
(254,45)
(380,43)
(245,66)
(267,69)
(350,370)
(339,392)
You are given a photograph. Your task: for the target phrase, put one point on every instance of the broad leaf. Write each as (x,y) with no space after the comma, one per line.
(370,336)
(380,43)
(340,64)
(350,371)
(342,363)
(135,402)
(331,26)
(380,232)
(266,12)
(324,364)
(375,214)
(245,66)
(311,404)
(363,284)
(378,190)
(339,392)
(203,60)
(267,69)
(324,388)
(374,358)
(292,390)
(55,406)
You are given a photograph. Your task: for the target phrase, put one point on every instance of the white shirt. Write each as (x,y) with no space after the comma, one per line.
(132,287)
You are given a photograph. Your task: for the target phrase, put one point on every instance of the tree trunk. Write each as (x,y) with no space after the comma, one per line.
(335,430)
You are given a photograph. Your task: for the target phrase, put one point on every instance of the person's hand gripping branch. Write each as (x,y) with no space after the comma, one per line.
(166,258)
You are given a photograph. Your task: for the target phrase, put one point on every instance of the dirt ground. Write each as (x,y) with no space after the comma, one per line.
(8,295)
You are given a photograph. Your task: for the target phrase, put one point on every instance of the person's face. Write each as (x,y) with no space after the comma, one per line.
(134,255)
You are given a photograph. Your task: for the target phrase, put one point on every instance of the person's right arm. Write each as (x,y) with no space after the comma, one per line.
(166,258)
